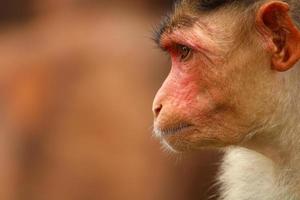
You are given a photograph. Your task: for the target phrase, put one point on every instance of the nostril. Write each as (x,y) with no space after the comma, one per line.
(157,110)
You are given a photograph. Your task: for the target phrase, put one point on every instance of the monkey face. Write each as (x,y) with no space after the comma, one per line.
(224,86)
(203,105)
(192,108)
(210,99)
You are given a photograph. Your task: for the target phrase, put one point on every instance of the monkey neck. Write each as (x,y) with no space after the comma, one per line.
(283,150)
(281,143)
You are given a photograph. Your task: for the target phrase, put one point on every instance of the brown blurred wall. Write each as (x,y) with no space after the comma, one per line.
(77,80)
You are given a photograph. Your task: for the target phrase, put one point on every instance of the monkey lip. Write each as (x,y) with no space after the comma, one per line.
(172,130)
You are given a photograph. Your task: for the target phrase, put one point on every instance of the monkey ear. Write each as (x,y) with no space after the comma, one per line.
(282,36)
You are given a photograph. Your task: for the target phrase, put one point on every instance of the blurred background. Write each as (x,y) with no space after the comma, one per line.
(77,79)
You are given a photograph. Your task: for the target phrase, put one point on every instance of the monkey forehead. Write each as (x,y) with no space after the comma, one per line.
(188,20)
(209,5)
(200,37)
(170,23)
(188,12)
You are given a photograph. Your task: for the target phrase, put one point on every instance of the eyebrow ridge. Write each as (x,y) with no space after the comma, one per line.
(168,25)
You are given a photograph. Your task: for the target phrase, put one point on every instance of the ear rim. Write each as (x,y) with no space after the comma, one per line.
(279,63)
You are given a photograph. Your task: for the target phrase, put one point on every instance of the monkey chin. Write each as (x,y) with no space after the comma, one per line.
(186,139)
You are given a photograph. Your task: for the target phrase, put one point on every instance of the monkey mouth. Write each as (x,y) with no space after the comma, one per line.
(172,130)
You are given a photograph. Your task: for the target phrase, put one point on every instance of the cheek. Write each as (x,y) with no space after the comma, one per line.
(204,101)
(189,95)
(199,93)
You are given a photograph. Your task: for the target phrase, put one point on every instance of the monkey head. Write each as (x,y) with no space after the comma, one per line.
(226,80)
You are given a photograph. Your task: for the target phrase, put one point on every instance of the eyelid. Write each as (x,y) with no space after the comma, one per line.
(183,45)
(172,45)
(169,47)
(173,48)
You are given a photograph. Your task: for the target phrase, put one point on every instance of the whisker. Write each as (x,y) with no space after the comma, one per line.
(171,130)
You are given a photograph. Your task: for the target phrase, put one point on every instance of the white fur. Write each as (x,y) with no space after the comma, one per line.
(248,175)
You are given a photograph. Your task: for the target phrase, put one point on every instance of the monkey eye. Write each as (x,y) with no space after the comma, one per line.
(184,52)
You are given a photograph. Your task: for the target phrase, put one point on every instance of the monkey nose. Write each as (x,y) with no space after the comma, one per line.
(157,109)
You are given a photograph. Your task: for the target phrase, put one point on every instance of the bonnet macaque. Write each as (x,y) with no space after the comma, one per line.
(235,85)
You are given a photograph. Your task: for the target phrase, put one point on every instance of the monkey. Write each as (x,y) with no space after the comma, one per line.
(234,85)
